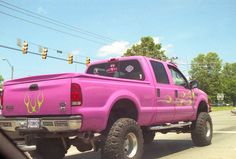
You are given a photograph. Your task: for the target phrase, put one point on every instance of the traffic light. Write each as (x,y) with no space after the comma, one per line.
(25,47)
(44,53)
(70,59)
(87,61)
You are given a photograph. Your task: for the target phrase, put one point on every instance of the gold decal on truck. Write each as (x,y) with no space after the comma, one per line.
(33,106)
(169,99)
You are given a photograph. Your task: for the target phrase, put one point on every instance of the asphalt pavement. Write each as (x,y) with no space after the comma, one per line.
(180,146)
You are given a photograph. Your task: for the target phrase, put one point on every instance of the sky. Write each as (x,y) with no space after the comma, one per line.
(185,28)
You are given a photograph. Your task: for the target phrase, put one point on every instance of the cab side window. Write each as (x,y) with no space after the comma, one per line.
(160,72)
(178,77)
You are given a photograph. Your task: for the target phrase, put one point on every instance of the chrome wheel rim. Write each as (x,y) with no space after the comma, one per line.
(131,145)
(208,129)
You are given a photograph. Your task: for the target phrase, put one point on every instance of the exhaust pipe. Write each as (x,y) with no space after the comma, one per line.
(25,148)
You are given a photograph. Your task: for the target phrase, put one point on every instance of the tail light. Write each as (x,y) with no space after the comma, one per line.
(76,95)
(1,97)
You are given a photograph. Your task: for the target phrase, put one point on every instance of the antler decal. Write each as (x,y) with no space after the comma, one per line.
(32,108)
(27,103)
(40,102)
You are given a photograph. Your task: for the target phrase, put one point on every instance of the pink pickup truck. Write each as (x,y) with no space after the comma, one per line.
(117,106)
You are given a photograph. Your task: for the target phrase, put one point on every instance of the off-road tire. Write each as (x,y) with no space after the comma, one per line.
(202,130)
(148,136)
(114,145)
(49,148)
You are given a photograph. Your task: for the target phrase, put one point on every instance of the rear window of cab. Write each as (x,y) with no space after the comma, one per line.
(127,69)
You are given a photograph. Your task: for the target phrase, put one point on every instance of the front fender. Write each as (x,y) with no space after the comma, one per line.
(200,98)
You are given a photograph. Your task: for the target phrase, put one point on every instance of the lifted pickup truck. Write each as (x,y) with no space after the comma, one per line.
(116,106)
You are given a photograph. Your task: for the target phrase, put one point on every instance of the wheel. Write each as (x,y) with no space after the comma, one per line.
(49,148)
(202,130)
(124,141)
(148,136)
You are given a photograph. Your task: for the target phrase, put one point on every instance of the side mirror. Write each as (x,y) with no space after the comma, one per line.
(194,84)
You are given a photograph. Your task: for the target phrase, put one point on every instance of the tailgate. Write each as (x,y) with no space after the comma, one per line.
(37,98)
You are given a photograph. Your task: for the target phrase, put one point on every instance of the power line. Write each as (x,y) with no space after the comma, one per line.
(34,53)
(59,51)
(51,28)
(212,63)
(63,51)
(36,17)
(55,22)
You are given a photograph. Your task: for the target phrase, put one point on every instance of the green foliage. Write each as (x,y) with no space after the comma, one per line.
(147,48)
(228,76)
(221,108)
(1,80)
(207,70)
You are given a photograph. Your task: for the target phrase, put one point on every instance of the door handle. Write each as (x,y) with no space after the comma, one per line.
(176,94)
(158,92)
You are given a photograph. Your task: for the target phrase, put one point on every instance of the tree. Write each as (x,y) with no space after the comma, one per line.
(1,80)
(229,82)
(207,70)
(148,48)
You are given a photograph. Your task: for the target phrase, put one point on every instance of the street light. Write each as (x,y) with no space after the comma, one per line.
(12,68)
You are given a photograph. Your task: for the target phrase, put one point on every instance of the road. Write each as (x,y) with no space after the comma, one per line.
(179,146)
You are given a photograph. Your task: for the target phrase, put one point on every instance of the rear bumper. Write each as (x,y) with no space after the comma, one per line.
(43,124)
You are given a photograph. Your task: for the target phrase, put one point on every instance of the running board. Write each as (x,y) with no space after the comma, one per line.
(170,126)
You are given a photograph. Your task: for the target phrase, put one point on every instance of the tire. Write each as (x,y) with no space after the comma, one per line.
(148,136)
(49,148)
(202,130)
(124,141)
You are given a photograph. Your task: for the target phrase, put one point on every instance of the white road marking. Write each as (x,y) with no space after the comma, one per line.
(224,132)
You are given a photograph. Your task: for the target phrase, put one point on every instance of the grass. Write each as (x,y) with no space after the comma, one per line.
(221,108)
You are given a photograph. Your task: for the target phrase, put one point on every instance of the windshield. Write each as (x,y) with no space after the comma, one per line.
(128,69)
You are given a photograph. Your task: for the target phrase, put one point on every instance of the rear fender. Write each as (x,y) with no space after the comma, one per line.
(115,97)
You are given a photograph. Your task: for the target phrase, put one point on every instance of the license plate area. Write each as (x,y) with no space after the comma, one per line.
(33,123)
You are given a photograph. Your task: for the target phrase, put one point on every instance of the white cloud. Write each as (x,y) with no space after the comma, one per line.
(41,10)
(117,48)
(167,47)
(156,40)
(138,43)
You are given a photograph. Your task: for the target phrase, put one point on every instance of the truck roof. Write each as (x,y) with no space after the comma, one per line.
(132,57)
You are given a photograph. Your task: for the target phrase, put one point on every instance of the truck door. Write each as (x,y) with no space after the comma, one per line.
(184,109)
(164,99)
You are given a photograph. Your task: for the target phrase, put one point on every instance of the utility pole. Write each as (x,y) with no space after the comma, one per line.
(11,66)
